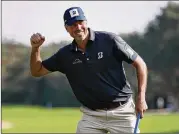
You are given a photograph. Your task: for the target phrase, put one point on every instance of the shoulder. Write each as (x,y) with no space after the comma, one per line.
(105,34)
(64,50)
(108,37)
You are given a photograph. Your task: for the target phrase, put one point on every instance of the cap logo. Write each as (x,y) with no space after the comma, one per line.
(73,13)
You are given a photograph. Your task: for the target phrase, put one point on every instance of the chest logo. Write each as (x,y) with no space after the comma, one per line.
(77,61)
(100,55)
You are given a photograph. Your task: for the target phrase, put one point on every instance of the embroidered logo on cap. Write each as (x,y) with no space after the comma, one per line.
(73,13)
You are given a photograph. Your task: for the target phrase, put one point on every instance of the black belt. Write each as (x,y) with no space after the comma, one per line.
(112,105)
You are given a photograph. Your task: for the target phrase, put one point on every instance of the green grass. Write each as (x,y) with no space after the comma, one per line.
(64,120)
(160,123)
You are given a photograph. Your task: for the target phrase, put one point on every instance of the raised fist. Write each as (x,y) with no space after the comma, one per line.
(37,40)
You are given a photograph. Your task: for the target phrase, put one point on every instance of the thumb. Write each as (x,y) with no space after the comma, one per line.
(42,39)
(141,115)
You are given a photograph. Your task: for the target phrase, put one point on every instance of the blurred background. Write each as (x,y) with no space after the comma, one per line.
(47,104)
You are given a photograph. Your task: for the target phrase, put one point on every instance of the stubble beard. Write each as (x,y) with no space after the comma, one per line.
(81,38)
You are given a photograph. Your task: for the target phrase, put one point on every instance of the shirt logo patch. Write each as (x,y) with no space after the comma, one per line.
(77,61)
(73,13)
(100,55)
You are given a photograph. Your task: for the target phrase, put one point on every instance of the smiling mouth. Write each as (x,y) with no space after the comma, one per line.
(79,33)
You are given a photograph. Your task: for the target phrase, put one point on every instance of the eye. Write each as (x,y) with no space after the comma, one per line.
(81,21)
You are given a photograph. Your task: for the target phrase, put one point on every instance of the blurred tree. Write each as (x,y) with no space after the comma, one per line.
(159,48)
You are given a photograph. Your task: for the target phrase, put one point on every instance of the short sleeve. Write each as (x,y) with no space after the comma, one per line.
(122,51)
(54,63)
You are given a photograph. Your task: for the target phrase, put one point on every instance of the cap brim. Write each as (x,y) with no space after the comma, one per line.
(72,21)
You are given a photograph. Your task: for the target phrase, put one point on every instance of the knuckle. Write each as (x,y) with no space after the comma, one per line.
(39,34)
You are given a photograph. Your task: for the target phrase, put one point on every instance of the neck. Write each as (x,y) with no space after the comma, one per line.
(82,43)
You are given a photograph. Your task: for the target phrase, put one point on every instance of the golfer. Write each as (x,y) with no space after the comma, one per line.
(93,65)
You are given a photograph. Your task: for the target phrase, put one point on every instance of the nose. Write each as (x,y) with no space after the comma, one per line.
(78,26)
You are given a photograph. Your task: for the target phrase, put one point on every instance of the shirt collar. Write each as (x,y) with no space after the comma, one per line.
(91,38)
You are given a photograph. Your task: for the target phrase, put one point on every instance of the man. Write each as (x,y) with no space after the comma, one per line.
(93,65)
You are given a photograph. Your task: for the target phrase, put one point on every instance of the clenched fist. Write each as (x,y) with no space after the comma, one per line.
(37,40)
(141,105)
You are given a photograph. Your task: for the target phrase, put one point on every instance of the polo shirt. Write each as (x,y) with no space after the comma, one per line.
(97,76)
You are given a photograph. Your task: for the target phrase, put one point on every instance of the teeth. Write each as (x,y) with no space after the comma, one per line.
(79,32)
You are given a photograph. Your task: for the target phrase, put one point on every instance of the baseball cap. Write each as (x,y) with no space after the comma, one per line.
(73,14)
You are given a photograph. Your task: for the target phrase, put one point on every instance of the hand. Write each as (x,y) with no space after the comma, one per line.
(141,105)
(37,40)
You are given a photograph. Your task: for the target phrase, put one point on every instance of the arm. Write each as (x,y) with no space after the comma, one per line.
(123,52)
(36,67)
(142,72)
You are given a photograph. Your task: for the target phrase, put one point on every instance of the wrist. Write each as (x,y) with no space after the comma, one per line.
(141,95)
(35,48)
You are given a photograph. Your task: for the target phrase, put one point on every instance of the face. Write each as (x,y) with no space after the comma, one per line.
(78,30)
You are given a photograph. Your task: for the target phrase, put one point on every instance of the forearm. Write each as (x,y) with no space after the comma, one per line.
(142,79)
(35,61)
(142,73)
